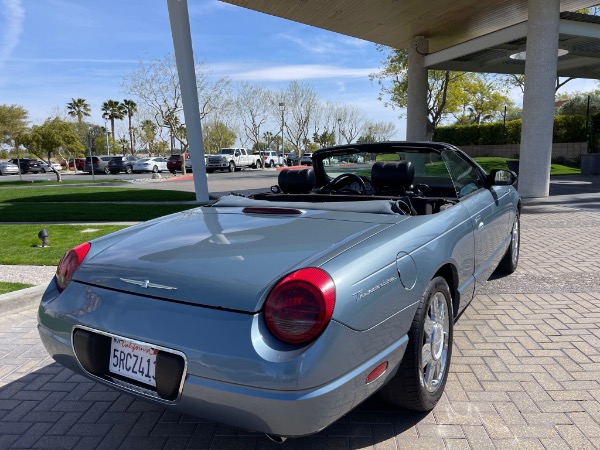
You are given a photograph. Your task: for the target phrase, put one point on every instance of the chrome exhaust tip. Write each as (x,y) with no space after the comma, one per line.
(276,439)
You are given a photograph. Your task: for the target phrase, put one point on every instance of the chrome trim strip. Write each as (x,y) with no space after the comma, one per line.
(123,384)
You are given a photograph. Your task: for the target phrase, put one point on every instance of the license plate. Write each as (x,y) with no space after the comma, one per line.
(133,360)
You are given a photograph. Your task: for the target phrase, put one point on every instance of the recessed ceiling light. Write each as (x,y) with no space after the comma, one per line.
(521,55)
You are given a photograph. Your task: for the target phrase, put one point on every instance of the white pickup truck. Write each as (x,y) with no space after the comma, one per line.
(231,159)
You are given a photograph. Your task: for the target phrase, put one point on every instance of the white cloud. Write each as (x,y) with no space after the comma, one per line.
(15,16)
(299,72)
(77,60)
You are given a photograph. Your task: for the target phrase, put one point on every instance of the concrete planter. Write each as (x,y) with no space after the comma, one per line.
(590,164)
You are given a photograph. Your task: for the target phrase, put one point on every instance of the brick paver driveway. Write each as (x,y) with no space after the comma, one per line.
(525,372)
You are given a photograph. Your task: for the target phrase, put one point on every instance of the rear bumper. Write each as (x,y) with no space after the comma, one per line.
(231,376)
(283,413)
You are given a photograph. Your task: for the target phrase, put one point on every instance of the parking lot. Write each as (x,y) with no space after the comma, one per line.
(525,371)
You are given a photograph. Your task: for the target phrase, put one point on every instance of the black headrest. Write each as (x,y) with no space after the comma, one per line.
(392,174)
(297,181)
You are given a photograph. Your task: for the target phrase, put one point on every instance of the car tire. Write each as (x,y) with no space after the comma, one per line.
(43,170)
(106,170)
(272,164)
(231,167)
(510,260)
(418,385)
(155,169)
(128,169)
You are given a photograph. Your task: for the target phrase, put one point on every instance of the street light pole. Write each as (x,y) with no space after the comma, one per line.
(106,131)
(282,107)
(91,156)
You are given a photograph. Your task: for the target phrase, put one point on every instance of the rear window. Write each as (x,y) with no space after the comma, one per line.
(116,159)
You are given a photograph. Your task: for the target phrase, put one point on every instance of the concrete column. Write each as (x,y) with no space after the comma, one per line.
(184,56)
(416,107)
(538,100)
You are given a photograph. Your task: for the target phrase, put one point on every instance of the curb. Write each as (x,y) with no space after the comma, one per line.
(21,299)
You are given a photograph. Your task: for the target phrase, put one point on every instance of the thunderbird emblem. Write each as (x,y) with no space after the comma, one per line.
(146,284)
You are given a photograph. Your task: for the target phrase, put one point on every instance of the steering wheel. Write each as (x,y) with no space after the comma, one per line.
(347,177)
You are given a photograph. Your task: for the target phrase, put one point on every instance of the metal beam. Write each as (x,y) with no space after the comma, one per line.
(184,56)
(570,27)
(475,45)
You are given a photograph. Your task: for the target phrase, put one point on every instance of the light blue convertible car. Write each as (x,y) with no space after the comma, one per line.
(282,311)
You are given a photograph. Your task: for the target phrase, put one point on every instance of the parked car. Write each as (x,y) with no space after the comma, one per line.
(174,162)
(270,158)
(99,164)
(118,164)
(188,164)
(291,159)
(155,165)
(8,168)
(46,168)
(226,317)
(27,165)
(306,159)
(79,164)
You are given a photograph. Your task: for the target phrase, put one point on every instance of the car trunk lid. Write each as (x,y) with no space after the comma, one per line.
(223,257)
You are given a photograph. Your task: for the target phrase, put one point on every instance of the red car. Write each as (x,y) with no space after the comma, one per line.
(79,164)
(174,162)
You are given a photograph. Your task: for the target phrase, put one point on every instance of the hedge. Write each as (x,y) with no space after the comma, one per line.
(566,129)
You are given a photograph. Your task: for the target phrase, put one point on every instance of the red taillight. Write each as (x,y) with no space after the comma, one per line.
(69,263)
(300,306)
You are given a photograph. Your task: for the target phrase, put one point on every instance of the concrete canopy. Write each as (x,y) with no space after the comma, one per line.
(445,24)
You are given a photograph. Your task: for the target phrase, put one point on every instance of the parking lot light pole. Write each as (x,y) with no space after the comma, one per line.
(282,108)
(91,156)
(106,132)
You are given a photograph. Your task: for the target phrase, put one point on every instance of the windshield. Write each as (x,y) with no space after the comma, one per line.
(429,167)
(144,160)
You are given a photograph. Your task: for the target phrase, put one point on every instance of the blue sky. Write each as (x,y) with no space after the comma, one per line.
(55,50)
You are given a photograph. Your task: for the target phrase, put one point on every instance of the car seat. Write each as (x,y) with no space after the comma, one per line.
(392,177)
(297,181)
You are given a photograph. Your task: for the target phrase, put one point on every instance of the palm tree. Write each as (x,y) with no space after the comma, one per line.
(130,108)
(111,110)
(79,108)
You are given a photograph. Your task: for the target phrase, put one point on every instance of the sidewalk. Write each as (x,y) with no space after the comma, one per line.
(525,371)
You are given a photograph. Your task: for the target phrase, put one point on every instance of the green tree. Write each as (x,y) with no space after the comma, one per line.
(13,122)
(477,96)
(217,135)
(147,135)
(130,108)
(50,138)
(576,104)
(78,108)
(444,95)
(324,139)
(111,110)
(484,98)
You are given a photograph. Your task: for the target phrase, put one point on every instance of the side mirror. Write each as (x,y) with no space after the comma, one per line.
(500,177)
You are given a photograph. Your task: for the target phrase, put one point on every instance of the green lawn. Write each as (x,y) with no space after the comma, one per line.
(9,287)
(20,243)
(59,193)
(492,162)
(89,204)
